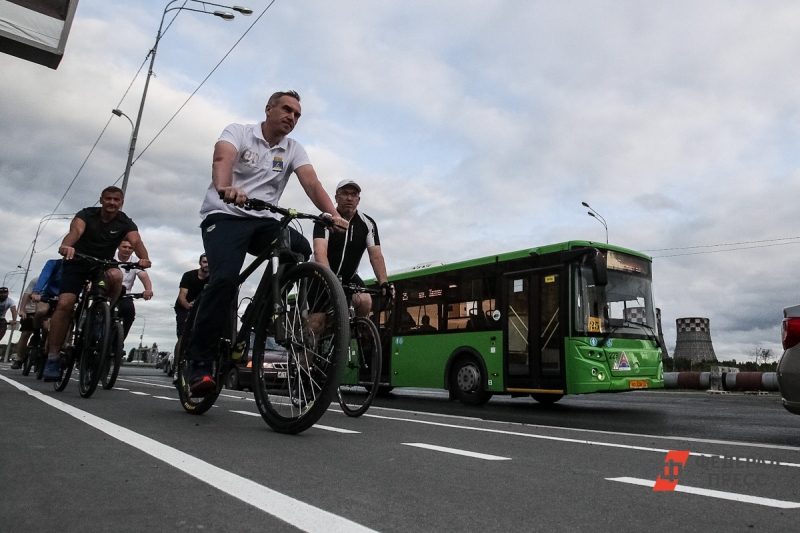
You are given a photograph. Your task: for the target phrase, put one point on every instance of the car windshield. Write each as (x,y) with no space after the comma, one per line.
(624,304)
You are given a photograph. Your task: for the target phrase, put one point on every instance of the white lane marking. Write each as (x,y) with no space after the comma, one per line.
(294,512)
(119,388)
(136,392)
(335,430)
(317,426)
(146,383)
(722,495)
(166,398)
(455,451)
(550,437)
(600,431)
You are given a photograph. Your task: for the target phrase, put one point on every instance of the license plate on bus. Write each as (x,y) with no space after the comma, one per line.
(281,375)
(638,383)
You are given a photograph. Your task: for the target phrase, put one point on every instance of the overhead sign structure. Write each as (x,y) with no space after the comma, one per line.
(36,30)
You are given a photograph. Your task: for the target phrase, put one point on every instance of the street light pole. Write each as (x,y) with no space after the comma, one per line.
(52,216)
(597,216)
(222,14)
(141,336)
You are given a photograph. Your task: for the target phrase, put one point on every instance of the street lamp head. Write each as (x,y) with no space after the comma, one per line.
(117,112)
(246,11)
(591,214)
(584,204)
(225,15)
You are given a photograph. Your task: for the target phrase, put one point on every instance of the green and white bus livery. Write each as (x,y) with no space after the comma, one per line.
(569,318)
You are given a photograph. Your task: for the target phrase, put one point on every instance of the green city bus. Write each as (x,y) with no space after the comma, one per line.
(569,318)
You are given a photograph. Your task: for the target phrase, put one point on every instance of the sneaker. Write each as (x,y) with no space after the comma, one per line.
(52,370)
(201,382)
(16,365)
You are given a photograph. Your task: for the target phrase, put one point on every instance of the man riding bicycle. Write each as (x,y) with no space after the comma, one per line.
(96,232)
(250,160)
(342,252)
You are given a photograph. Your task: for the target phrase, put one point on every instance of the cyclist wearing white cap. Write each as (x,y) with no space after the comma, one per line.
(342,252)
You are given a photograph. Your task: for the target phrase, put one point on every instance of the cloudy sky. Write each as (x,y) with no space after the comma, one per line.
(473,127)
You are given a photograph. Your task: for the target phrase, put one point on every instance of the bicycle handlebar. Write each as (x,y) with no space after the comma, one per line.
(254,204)
(126,265)
(135,295)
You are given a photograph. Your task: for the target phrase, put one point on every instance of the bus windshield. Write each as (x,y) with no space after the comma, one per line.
(624,304)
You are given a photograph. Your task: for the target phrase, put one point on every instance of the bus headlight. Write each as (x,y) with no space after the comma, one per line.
(601,376)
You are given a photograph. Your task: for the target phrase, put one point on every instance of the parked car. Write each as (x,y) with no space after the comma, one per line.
(240,377)
(168,364)
(789,365)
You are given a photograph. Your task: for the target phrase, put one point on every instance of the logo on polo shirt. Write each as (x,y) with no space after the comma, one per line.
(277,164)
(248,157)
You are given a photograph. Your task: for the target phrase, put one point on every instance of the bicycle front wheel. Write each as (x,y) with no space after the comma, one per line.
(111,363)
(362,370)
(95,347)
(67,364)
(295,378)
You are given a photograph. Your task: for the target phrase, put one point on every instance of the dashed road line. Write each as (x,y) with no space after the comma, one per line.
(722,495)
(456,451)
(166,398)
(136,392)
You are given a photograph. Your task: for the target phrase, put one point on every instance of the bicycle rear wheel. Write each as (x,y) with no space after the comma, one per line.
(111,363)
(295,380)
(192,405)
(31,354)
(362,370)
(95,347)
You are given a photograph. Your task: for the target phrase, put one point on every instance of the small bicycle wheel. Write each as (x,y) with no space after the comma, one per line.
(41,359)
(362,370)
(108,376)
(296,377)
(95,347)
(67,364)
(31,353)
(192,405)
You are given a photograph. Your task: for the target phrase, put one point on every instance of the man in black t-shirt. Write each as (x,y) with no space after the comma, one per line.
(96,232)
(192,283)
(342,252)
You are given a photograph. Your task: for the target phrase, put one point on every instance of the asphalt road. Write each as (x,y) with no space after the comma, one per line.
(130,459)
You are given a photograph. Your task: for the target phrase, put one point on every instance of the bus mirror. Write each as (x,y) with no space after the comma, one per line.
(599,269)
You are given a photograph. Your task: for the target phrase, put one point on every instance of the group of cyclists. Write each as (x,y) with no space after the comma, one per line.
(249,161)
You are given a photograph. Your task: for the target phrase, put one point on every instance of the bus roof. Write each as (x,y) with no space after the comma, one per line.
(432,267)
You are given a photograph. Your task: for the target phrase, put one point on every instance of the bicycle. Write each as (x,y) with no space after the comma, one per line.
(91,330)
(36,351)
(110,371)
(301,308)
(362,374)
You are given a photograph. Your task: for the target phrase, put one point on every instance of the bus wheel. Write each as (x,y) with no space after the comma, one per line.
(467,381)
(546,399)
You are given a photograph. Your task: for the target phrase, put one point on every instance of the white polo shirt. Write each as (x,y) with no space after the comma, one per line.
(260,170)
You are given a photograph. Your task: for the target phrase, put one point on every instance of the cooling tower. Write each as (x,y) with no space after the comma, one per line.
(694,340)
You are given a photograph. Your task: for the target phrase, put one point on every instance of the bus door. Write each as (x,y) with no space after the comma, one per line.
(534,332)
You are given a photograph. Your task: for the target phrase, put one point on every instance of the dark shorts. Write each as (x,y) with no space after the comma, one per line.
(74,275)
(180,317)
(26,324)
